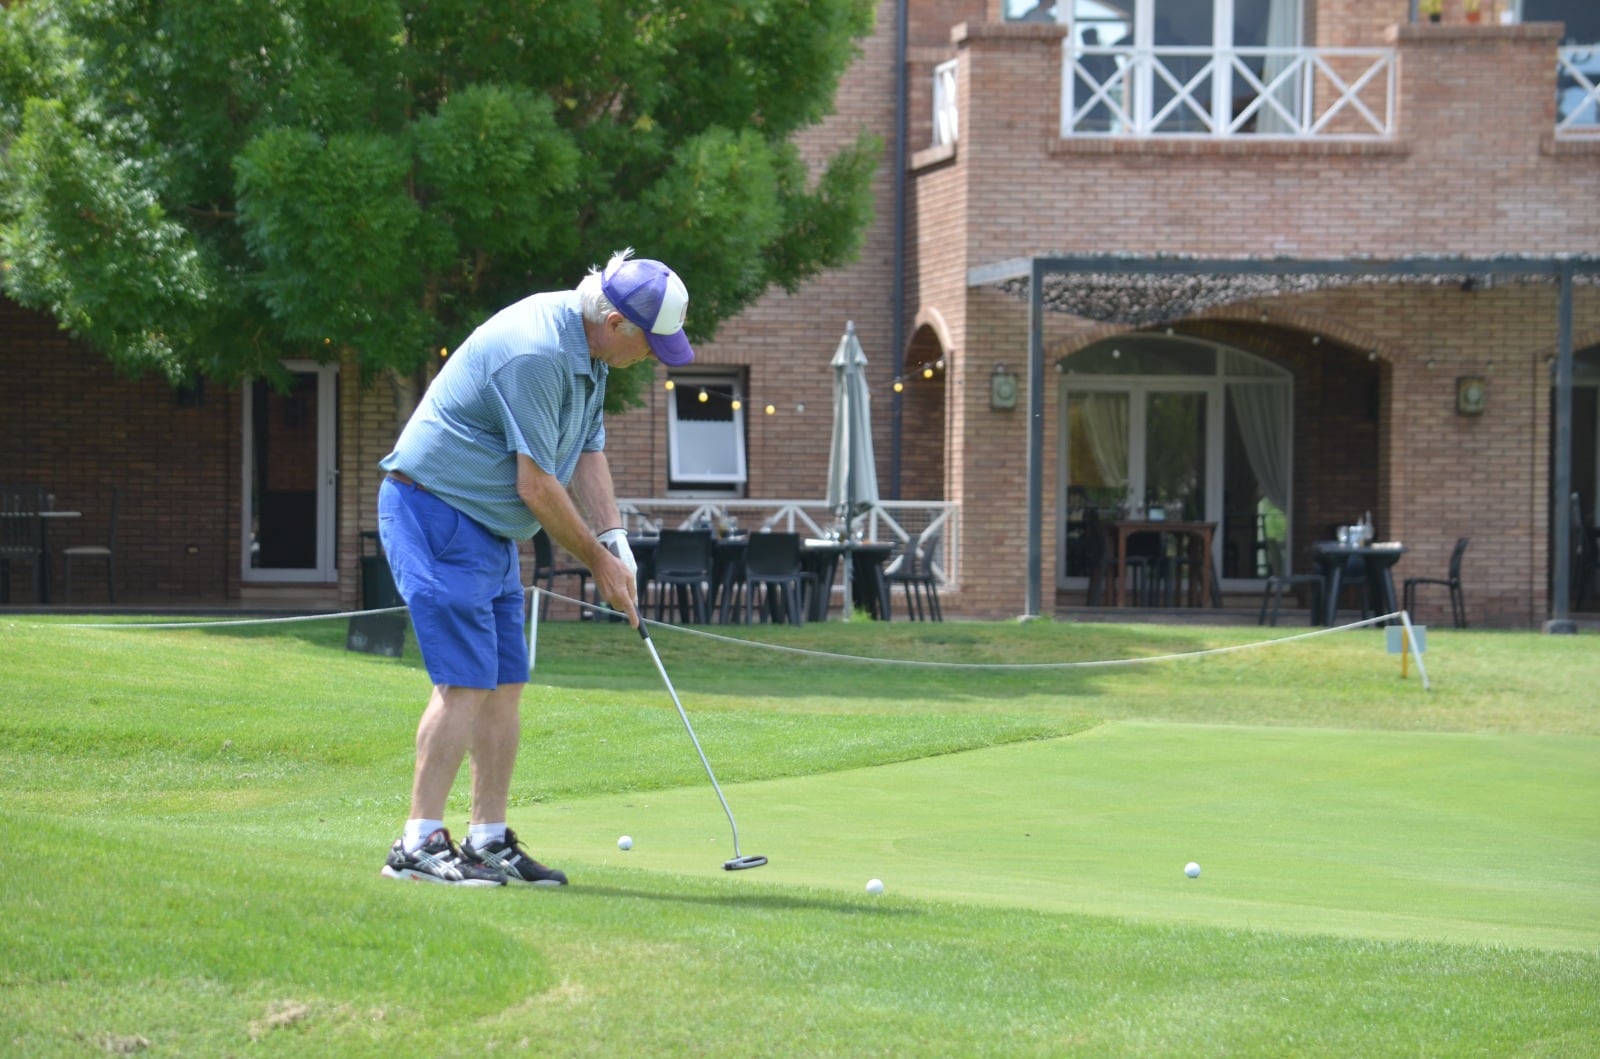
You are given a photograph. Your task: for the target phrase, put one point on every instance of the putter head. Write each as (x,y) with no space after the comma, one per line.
(741,863)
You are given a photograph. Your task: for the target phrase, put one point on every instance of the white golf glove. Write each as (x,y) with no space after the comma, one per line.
(616,542)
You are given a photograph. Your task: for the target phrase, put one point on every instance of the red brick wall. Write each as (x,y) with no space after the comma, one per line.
(75,426)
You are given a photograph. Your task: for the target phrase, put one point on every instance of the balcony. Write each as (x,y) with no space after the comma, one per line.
(1294,93)
(1578,92)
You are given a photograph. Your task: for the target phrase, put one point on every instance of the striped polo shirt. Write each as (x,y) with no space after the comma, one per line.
(522,382)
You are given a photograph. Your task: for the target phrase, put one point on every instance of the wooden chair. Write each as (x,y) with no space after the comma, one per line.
(1452,580)
(105,553)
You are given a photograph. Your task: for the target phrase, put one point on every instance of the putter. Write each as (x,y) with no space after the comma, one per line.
(739,862)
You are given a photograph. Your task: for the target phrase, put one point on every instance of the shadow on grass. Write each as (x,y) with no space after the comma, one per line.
(756,902)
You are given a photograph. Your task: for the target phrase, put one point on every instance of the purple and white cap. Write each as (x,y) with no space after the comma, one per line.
(652,297)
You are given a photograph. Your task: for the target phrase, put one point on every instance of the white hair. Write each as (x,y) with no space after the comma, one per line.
(592,297)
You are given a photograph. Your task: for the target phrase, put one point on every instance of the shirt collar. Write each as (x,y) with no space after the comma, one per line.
(575,344)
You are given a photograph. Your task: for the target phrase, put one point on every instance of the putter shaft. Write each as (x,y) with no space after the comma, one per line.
(739,860)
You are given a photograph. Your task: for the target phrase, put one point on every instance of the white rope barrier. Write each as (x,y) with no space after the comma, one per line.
(535,594)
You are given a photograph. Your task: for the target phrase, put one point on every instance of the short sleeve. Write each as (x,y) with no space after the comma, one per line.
(531,395)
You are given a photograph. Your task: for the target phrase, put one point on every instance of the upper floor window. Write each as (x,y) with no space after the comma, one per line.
(706,433)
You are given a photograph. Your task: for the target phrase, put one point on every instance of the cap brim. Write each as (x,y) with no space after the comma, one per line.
(672,350)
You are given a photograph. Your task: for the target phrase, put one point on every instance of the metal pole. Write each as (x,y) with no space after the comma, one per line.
(1035,437)
(1562,543)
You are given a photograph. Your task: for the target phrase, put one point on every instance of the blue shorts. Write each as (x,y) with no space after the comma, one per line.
(463,585)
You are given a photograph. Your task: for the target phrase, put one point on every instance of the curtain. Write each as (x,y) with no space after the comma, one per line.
(1263,415)
(1283,31)
(1105,421)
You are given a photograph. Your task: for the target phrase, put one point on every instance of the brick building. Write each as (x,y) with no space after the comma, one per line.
(1319,131)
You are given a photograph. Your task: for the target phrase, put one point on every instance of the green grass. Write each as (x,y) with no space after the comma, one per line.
(191,823)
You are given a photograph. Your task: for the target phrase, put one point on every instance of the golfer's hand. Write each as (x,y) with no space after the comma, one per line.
(616,542)
(618,585)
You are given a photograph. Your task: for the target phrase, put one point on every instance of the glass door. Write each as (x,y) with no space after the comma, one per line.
(290,477)
(1136,450)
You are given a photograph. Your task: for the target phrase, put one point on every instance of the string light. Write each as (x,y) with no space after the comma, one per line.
(705,394)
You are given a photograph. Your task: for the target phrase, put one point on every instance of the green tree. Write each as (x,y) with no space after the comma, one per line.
(208,187)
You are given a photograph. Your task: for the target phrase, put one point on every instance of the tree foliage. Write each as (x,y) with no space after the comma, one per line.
(212,187)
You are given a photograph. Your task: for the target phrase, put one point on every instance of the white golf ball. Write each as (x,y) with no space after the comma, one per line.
(1192,870)
(874,886)
(624,842)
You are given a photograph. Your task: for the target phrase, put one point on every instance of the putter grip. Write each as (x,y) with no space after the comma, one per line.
(644,633)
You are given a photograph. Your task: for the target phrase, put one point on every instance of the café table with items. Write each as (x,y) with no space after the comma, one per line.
(1197,536)
(1334,559)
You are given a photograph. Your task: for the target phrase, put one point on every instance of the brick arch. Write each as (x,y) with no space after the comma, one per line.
(933,322)
(1313,323)
(923,410)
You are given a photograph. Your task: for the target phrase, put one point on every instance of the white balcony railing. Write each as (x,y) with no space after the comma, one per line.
(1578,91)
(946,114)
(1294,93)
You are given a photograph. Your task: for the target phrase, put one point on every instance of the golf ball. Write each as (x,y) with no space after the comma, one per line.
(1192,870)
(624,842)
(874,886)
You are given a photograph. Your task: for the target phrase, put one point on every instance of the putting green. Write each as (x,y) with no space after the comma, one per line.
(1479,838)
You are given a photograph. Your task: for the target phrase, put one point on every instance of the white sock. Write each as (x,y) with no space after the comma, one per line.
(481,835)
(417,832)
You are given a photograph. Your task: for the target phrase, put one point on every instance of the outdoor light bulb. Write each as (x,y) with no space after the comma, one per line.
(939,363)
(899,386)
(443,352)
(704,397)
(670,385)
(736,404)
(927,371)
(771,410)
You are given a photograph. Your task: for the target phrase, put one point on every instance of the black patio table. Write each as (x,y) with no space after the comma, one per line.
(1377,563)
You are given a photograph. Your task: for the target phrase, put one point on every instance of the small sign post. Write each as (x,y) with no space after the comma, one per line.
(1408,641)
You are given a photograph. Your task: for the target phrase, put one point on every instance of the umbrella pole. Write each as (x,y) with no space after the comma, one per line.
(849,555)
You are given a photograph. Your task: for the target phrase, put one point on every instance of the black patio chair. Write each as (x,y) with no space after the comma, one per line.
(913,570)
(1452,580)
(685,564)
(22,538)
(545,572)
(773,574)
(106,553)
(1279,580)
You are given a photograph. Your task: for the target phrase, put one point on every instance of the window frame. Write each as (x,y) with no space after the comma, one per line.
(684,481)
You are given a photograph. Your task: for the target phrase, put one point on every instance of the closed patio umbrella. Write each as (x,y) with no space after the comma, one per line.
(852,471)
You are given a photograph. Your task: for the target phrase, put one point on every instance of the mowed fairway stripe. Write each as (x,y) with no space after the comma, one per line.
(1485,838)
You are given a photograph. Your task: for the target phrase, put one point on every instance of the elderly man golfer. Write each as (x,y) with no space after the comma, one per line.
(508,439)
